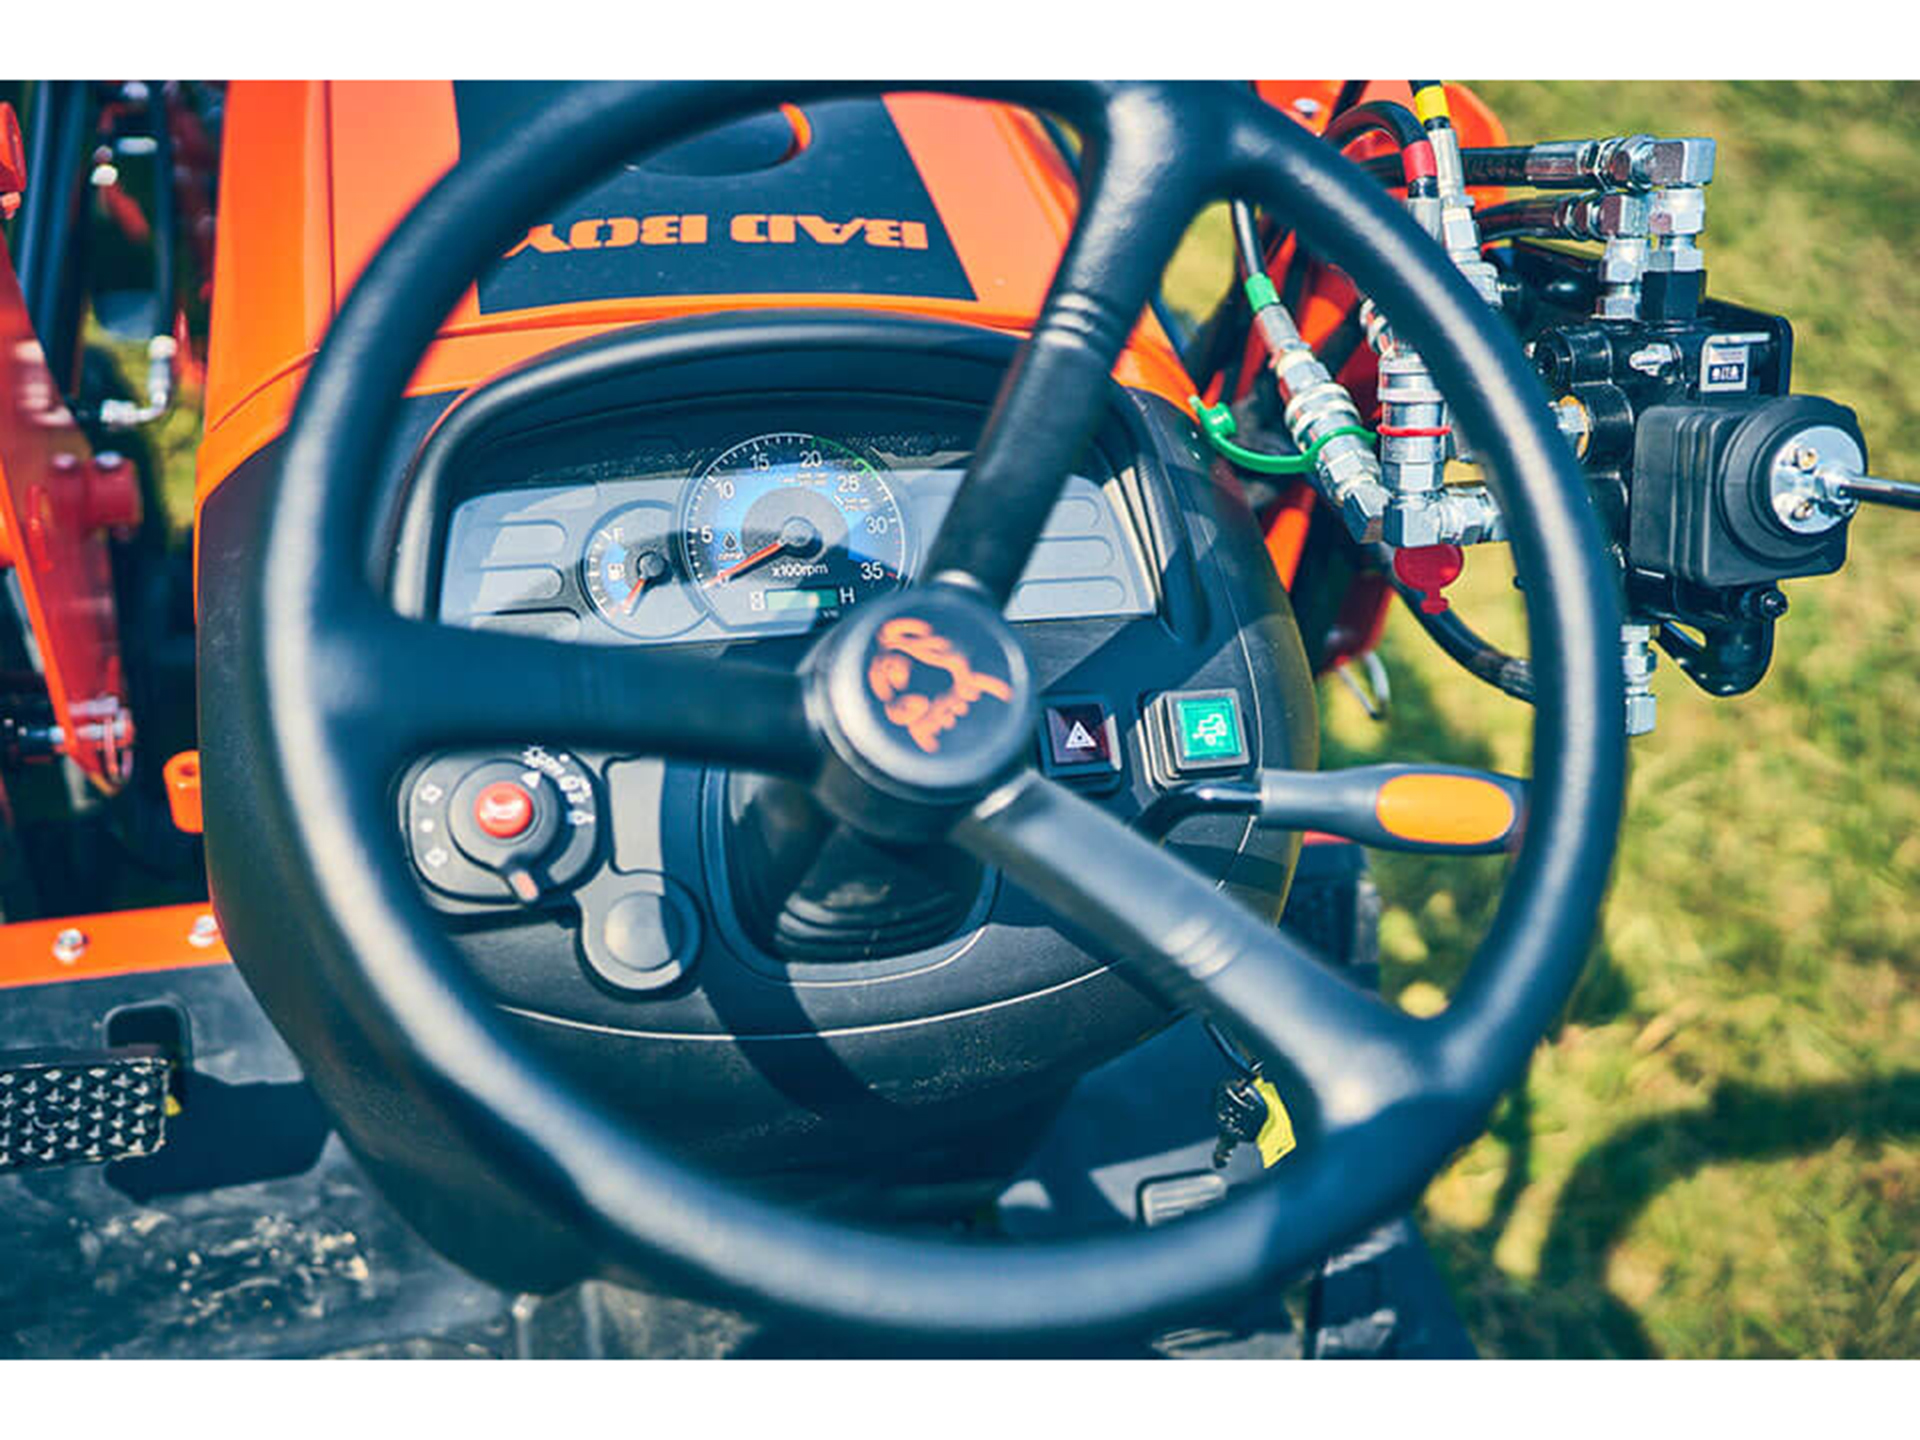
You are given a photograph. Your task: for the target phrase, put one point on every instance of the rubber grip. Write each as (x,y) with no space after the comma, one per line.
(1432,809)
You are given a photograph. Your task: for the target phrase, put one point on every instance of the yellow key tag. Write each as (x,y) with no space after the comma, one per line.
(1276,1136)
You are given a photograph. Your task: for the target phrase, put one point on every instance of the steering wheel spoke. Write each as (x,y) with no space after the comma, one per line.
(415,686)
(1143,175)
(1349,1053)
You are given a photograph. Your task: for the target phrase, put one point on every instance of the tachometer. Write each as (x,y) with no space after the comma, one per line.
(787,530)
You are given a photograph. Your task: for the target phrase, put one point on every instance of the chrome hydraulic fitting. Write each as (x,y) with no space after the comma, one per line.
(1623,265)
(1653,231)
(1637,663)
(1621,162)
(1458,231)
(1601,216)
(1317,408)
(1675,219)
(1422,509)
(1416,439)
(1413,424)
(1620,223)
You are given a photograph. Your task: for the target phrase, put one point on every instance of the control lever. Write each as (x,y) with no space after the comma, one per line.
(1900,494)
(1817,476)
(1429,809)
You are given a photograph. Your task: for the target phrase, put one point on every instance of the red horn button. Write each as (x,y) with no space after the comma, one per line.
(503,810)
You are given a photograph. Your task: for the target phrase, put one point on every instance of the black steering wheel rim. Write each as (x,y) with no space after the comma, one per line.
(1390,1098)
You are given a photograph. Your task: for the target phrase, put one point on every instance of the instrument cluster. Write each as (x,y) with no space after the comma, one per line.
(767,532)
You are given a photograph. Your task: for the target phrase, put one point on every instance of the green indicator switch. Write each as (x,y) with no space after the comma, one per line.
(1206,730)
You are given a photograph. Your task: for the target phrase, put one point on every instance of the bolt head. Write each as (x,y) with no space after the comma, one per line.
(69,945)
(1642,714)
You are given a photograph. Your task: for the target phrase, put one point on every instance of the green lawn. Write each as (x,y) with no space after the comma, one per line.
(1719,1152)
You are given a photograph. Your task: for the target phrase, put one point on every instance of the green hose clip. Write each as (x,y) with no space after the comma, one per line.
(1217,422)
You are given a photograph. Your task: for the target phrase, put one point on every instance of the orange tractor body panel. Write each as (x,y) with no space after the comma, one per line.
(315,174)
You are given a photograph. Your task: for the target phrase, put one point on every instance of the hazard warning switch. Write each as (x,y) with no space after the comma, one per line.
(1081,739)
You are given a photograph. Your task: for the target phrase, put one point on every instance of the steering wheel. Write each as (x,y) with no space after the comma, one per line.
(349,692)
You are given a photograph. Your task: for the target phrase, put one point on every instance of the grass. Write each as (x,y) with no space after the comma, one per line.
(1718,1154)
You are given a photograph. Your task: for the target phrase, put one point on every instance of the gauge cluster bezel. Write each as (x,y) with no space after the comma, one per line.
(662,462)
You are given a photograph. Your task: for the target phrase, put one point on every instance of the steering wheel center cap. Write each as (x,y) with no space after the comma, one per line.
(927,702)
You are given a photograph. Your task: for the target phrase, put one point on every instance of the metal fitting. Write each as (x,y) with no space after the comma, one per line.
(1818,478)
(69,945)
(1637,662)
(1623,264)
(1675,220)
(1451,515)
(204,934)
(127,414)
(1422,509)
(1603,216)
(1575,422)
(1621,162)
(1677,212)
(1346,469)
(1426,213)
(1644,162)
(1458,231)
(1655,358)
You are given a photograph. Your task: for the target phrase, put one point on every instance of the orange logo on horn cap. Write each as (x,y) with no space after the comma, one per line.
(905,640)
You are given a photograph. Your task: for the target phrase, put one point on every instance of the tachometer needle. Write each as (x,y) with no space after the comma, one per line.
(740,567)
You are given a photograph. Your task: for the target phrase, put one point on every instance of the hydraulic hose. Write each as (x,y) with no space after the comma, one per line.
(1537,215)
(1482,165)
(1246,241)
(1475,654)
(1388,117)
(1479,657)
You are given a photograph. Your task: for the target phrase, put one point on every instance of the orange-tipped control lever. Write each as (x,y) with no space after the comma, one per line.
(1434,809)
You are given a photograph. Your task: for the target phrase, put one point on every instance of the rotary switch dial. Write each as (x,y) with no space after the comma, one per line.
(502,827)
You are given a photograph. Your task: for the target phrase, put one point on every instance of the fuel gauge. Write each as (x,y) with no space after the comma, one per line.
(630,576)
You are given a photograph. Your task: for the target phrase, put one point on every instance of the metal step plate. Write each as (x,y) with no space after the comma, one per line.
(76,1107)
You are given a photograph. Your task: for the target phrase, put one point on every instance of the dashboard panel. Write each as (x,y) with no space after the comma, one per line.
(704,525)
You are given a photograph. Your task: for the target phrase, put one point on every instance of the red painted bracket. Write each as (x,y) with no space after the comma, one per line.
(57,506)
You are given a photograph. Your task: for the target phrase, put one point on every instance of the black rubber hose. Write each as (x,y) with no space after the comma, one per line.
(1536,216)
(1388,117)
(1246,240)
(1462,643)
(1496,164)
(1480,658)
(1349,96)
(1484,165)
